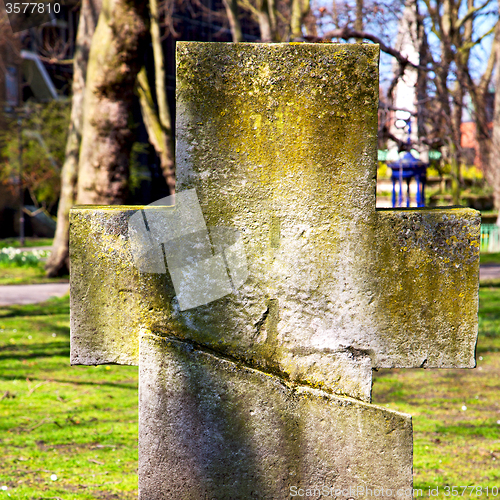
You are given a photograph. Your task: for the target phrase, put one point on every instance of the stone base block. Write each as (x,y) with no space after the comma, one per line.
(211,428)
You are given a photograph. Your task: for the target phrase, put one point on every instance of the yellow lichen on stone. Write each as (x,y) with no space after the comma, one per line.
(334,286)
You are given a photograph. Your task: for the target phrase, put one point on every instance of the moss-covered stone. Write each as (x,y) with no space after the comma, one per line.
(211,428)
(335,287)
(236,401)
(426,268)
(106,289)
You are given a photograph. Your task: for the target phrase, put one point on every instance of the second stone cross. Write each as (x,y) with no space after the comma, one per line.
(263,390)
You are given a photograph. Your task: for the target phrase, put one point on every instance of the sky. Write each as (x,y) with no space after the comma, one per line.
(384,24)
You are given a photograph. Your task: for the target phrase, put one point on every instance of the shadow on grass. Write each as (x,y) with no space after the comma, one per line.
(489,258)
(122,385)
(490,283)
(53,306)
(29,351)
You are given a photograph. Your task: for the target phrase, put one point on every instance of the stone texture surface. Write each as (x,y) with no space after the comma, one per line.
(265,389)
(213,428)
(279,142)
(426,278)
(105,287)
(420,291)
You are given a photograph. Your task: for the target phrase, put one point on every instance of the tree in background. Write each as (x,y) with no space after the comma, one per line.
(9,53)
(278,20)
(457,26)
(449,32)
(157,118)
(99,144)
(44,131)
(58,261)
(116,54)
(494,158)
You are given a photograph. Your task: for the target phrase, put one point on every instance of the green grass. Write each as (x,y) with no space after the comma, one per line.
(80,423)
(490,258)
(14,275)
(453,446)
(28,242)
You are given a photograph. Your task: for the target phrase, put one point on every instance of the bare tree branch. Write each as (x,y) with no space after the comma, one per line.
(470,13)
(346,33)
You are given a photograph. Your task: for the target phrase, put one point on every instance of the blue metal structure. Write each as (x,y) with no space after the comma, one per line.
(405,169)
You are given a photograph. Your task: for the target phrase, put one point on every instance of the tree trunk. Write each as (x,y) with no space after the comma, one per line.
(300,8)
(58,262)
(479,95)
(422,75)
(158,136)
(115,58)
(456,150)
(265,25)
(358,23)
(167,154)
(232,11)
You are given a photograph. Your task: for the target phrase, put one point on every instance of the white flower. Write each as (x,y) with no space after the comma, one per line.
(464,408)
(53,477)
(4,488)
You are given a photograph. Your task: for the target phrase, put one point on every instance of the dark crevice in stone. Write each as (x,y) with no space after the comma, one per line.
(360,353)
(195,346)
(282,377)
(262,320)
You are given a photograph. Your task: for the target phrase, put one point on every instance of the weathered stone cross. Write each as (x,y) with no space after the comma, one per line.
(265,392)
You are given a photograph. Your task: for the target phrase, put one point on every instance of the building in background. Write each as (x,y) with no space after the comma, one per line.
(468,142)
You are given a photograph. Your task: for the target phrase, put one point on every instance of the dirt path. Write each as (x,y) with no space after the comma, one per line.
(489,272)
(31,294)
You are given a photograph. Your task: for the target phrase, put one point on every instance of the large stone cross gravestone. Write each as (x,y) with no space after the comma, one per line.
(265,392)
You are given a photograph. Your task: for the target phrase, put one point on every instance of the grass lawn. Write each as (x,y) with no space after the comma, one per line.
(65,432)
(28,242)
(71,432)
(13,275)
(490,258)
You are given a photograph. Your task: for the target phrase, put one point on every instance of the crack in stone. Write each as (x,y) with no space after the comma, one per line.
(282,377)
(262,320)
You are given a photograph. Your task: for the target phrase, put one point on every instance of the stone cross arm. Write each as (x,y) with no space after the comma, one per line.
(407,299)
(278,142)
